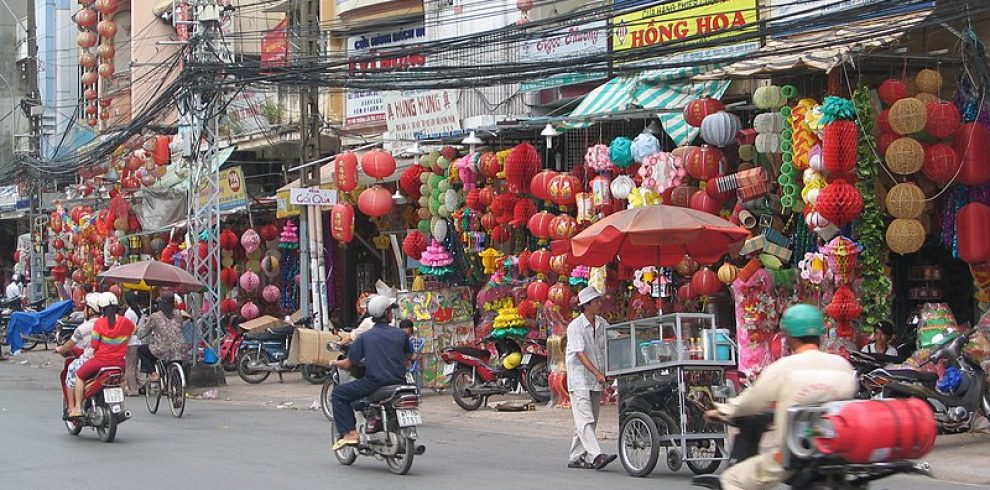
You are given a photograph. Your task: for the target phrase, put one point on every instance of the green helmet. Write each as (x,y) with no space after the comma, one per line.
(803,321)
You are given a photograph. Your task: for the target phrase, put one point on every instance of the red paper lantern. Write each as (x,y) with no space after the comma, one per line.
(539,225)
(884,141)
(378,164)
(105,70)
(539,261)
(269,232)
(943,119)
(414,244)
(86,18)
(703,162)
(410,182)
(564,189)
(78,276)
(705,282)
(844,305)
(375,201)
(58,243)
(685,292)
(489,164)
(563,227)
(228,240)
(342,222)
(527,309)
(839,202)
(87,60)
(698,109)
(701,201)
(522,262)
(883,121)
(522,210)
(117,250)
(973,226)
(106,52)
(840,146)
(488,221)
(539,185)
(538,291)
(522,163)
(228,306)
(59,272)
(500,234)
(941,163)
(973,148)
(107,28)
(487,196)
(712,190)
(345,171)
(162,154)
(560,294)
(86,39)
(106,7)
(473,200)
(892,90)
(502,205)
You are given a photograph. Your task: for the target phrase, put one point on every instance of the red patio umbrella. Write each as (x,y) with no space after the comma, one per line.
(154,273)
(653,235)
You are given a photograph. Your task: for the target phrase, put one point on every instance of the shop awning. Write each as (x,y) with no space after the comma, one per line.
(667,89)
(326,173)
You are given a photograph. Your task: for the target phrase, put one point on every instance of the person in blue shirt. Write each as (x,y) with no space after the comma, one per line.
(384,351)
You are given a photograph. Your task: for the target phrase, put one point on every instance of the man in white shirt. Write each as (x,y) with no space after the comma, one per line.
(585,381)
(14,289)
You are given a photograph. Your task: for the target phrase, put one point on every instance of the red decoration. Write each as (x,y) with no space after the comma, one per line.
(345,171)
(839,202)
(885,140)
(703,162)
(117,250)
(378,164)
(892,90)
(229,276)
(162,154)
(409,181)
(86,39)
(539,185)
(473,200)
(527,309)
(228,240)
(844,305)
(487,196)
(522,164)
(375,201)
(228,306)
(488,221)
(685,292)
(523,262)
(943,119)
(839,146)
(502,205)
(490,166)
(522,210)
(59,272)
(107,29)
(698,109)
(701,201)
(539,261)
(538,291)
(564,189)
(58,244)
(500,234)
(973,226)
(705,282)
(86,18)
(414,244)
(539,225)
(269,232)
(941,163)
(563,227)
(342,222)
(883,121)
(973,148)
(560,294)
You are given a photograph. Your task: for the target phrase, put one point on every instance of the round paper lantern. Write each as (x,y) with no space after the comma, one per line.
(941,163)
(58,244)
(228,306)
(539,225)
(686,292)
(342,222)
(500,234)
(905,236)
(703,163)
(973,148)
(538,291)
(522,164)
(943,119)
(563,227)
(250,240)
(892,90)
(106,52)
(375,201)
(973,226)
(86,39)
(558,264)
(89,77)
(522,211)
(839,203)
(698,109)
(106,7)
(414,244)
(928,81)
(487,196)
(769,97)
(270,293)
(539,261)
(105,70)
(107,28)
(87,60)
(270,266)
(720,129)
(701,201)
(564,189)
(90,94)
(86,18)
(621,186)
(117,250)
(539,185)
(345,171)
(705,282)
(560,294)
(378,164)
(249,281)
(905,156)
(908,116)
(488,221)
(228,240)
(905,200)
(728,273)
(269,232)
(840,145)
(250,311)
(686,266)
(228,276)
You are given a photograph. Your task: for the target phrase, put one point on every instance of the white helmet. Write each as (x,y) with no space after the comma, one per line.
(378,305)
(108,299)
(93,301)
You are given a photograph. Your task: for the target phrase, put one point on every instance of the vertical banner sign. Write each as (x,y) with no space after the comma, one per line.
(233,191)
(369,54)
(685,22)
(413,112)
(275,46)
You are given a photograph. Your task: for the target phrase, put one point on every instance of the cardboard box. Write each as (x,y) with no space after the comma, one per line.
(262,322)
(310,347)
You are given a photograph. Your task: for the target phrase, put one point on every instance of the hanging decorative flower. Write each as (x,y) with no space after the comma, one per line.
(620,152)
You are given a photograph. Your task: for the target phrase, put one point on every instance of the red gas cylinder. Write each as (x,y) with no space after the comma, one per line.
(873,431)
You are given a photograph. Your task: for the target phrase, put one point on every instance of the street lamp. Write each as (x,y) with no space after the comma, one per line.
(472,141)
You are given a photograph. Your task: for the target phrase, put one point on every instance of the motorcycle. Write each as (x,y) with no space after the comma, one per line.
(473,379)
(42,323)
(103,407)
(386,426)
(231,345)
(262,353)
(841,445)
(954,411)
(864,364)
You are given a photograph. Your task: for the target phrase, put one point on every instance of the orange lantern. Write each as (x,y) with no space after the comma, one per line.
(107,28)
(538,291)
(539,185)
(558,264)
(563,189)
(342,222)
(378,164)
(86,39)
(563,227)
(560,295)
(106,51)
(86,18)
(345,171)
(539,225)
(539,261)
(375,201)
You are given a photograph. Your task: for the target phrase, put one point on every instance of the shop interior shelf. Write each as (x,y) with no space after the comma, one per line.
(665,342)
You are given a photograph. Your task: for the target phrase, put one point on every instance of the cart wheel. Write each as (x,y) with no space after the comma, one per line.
(674,459)
(700,451)
(639,444)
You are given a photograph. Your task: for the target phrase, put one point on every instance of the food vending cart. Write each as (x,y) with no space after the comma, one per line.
(670,369)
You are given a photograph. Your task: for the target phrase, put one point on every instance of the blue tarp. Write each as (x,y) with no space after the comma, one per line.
(35,322)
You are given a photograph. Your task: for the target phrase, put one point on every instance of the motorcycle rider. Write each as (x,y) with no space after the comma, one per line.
(109,343)
(81,339)
(808,376)
(15,289)
(384,351)
(883,335)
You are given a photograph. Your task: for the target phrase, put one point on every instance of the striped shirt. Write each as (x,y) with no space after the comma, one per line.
(110,343)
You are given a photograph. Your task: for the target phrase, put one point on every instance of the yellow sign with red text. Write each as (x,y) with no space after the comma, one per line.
(687,22)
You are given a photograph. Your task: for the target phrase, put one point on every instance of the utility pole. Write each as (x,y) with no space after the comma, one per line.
(34,111)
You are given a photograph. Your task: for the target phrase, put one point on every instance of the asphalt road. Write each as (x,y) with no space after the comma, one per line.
(231,446)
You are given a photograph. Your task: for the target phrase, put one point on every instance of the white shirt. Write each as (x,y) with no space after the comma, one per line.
(132,315)
(82,336)
(13,290)
(582,337)
(871,348)
(363,327)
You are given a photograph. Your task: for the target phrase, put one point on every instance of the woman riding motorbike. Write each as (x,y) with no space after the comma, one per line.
(109,343)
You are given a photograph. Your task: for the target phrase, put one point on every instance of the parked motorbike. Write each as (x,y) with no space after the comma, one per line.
(473,379)
(386,426)
(955,411)
(262,353)
(864,364)
(842,445)
(103,407)
(230,347)
(53,336)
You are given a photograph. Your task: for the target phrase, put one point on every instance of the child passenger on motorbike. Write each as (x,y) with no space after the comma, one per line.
(80,340)
(109,343)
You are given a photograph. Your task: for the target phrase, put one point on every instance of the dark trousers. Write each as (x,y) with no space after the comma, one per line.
(148,359)
(343,399)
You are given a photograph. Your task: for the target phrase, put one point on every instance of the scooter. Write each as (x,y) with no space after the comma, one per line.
(231,344)
(954,411)
(31,340)
(473,379)
(263,353)
(103,407)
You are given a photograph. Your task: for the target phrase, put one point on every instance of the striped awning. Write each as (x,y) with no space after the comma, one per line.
(667,89)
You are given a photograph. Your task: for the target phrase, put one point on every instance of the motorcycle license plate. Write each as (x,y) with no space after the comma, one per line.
(409,418)
(113,395)
(526,358)
(449,369)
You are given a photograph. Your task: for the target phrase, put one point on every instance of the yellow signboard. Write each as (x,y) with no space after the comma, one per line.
(686,22)
(285,209)
(233,190)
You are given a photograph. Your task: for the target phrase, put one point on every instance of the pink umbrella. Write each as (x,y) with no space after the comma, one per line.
(154,273)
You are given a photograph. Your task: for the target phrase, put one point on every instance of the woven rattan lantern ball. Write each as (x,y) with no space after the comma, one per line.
(905,156)
(928,81)
(926,98)
(908,116)
(905,201)
(905,236)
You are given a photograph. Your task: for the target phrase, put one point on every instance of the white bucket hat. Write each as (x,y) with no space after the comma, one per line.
(587,295)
